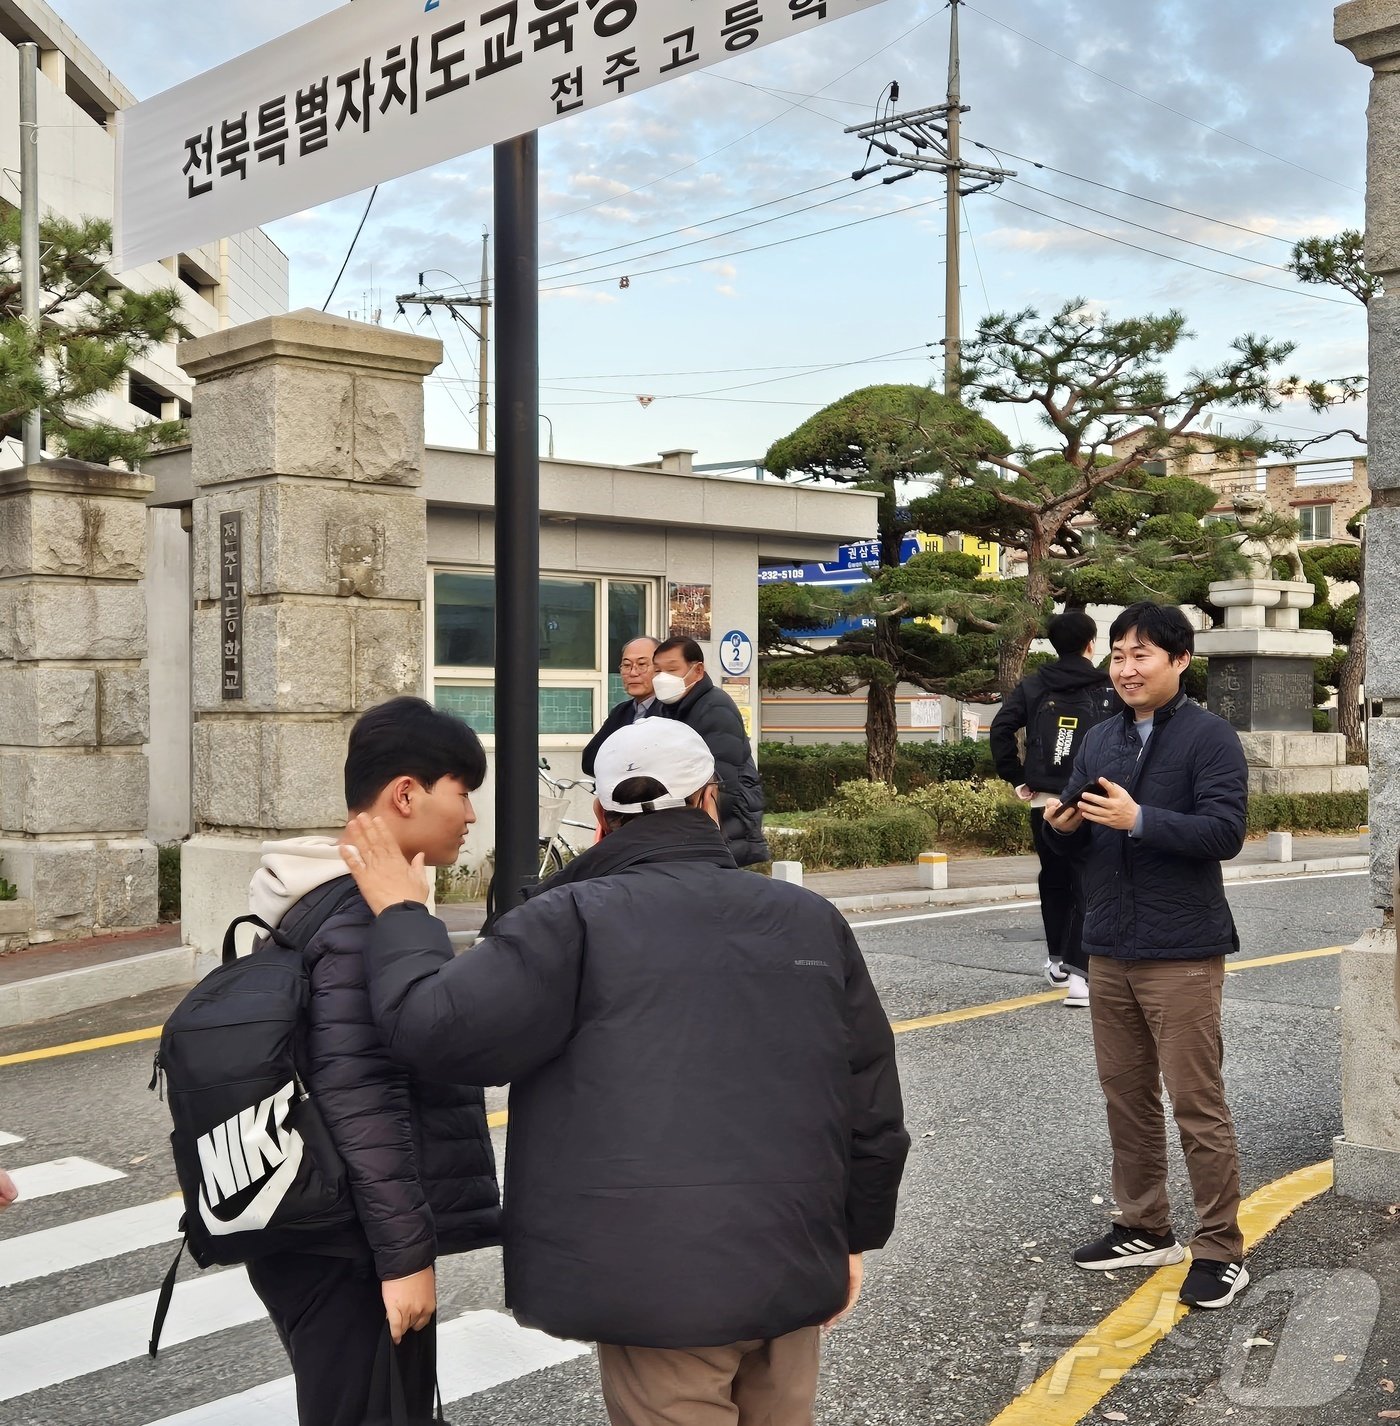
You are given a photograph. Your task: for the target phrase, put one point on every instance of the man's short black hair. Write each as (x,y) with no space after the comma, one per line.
(1161,624)
(691,652)
(1071,632)
(408,737)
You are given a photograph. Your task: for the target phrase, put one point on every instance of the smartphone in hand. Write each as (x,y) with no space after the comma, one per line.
(1071,795)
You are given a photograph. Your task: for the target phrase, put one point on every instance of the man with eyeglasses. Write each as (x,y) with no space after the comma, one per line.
(641,702)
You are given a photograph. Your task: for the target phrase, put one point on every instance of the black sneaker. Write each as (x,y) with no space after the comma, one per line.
(1123,1247)
(1211,1283)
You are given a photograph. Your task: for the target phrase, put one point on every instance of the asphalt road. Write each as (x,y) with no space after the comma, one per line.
(970,1301)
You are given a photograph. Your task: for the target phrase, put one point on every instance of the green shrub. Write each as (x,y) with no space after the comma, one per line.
(832,843)
(802,778)
(984,814)
(1322,720)
(1307,811)
(861,798)
(8,890)
(168,881)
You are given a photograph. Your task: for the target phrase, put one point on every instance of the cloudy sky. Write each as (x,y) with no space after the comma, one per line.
(1244,114)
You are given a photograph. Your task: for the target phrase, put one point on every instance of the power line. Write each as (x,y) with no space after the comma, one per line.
(714,153)
(1148,228)
(364,217)
(1140,197)
(1181,114)
(1185,262)
(791,93)
(743,252)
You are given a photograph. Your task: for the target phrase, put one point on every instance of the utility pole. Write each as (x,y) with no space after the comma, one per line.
(29,223)
(935,135)
(482,332)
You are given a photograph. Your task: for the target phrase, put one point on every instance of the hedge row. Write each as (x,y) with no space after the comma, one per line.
(862,829)
(802,779)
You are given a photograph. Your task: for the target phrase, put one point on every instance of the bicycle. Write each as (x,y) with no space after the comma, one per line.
(555,848)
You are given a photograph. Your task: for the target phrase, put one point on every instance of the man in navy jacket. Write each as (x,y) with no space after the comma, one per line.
(1169,806)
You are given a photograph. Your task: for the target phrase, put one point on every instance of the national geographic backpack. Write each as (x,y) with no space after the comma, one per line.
(256,1164)
(1058,722)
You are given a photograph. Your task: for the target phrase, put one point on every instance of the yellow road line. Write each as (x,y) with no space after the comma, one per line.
(1094,1365)
(900,1027)
(81,1047)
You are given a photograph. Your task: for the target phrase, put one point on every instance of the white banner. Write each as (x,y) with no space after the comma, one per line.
(378,89)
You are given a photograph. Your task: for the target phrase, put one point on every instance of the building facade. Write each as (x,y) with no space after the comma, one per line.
(221,284)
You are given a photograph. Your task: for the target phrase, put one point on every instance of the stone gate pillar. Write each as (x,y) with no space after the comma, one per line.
(1368,1153)
(308,573)
(74,697)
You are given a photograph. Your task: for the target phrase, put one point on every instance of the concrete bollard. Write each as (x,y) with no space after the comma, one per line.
(1280,847)
(788,871)
(933,870)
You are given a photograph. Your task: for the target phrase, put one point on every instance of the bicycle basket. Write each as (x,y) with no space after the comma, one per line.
(552,811)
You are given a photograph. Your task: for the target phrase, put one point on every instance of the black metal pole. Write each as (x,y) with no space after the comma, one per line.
(517,519)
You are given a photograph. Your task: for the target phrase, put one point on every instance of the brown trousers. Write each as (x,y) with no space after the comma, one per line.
(758,1383)
(1157,1021)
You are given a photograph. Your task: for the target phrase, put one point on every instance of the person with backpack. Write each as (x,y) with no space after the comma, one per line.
(417,1154)
(1056,705)
(706,1128)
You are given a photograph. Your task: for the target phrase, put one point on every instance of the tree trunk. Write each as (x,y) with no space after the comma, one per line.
(1349,680)
(881,720)
(1011,656)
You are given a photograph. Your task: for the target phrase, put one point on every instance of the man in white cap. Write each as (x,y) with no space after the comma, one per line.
(705,1118)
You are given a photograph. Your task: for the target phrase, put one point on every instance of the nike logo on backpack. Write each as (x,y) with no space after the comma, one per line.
(251,1150)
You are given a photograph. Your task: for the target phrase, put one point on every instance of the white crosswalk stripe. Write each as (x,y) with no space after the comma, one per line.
(56,1250)
(477,1351)
(61,1176)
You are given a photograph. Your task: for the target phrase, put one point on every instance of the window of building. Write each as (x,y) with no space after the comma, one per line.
(146,396)
(196,279)
(584,622)
(1314,522)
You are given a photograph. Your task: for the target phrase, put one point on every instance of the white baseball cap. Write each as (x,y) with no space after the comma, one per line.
(662,749)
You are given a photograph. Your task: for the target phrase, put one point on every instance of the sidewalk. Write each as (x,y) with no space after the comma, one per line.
(46,981)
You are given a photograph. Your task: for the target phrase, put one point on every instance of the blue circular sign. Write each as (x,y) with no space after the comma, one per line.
(735,653)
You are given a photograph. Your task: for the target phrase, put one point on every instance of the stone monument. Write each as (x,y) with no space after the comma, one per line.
(1260,674)
(1367,1155)
(74,697)
(309,575)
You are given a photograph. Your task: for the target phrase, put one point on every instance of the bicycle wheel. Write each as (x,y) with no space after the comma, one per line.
(552,861)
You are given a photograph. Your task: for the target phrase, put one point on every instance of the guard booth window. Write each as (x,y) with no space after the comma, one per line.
(584,622)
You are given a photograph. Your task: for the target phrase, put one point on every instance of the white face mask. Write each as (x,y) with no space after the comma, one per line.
(669,687)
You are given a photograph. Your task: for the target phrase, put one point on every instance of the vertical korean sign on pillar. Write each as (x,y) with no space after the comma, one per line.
(370,92)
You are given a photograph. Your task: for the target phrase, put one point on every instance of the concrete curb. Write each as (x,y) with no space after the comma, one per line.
(1028,891)
(63,992)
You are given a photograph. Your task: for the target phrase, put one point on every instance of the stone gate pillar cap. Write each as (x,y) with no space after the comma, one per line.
(1370,29)
(310,336)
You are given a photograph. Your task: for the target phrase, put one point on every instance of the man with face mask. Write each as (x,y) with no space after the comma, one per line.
(705,1117)
(689,694)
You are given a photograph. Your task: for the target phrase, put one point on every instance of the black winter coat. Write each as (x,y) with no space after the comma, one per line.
(1041,771)
(417,1152)
(712,713)
(705,1114)
(1162,896)
(622,716)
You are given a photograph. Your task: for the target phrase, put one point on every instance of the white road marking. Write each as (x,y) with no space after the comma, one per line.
(60,1176)
(1035,905)
(476,1352)
(102,1337)
(90,1240)
(7,1139)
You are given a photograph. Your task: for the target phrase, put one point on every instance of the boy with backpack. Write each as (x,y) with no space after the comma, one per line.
(1056,705)
(337,1176)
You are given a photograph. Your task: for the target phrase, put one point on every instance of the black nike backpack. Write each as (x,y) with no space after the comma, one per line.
(1058,723)
(256,1164)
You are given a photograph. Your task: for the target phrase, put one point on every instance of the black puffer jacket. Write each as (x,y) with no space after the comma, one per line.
(418,1152)
(1161,896)
(713,714)
(705,1109)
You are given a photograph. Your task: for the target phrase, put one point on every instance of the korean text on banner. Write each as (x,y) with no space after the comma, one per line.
(373,91)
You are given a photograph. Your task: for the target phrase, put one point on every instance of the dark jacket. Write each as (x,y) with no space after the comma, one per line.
(712,713)
(1042,770)
(705,1114)
(417,1151)
(1161,896)
(623,716)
